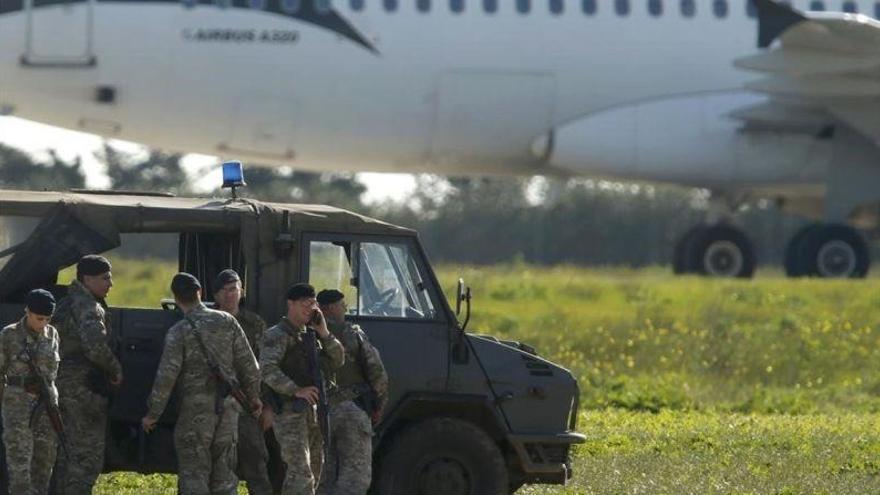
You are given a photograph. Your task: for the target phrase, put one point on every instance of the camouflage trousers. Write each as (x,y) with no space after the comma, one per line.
(30,449)
(349,463)
(301,444)
(253,456)
(84,414)
(205,443)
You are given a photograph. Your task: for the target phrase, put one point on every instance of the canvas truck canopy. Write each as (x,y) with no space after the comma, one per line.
(43,232)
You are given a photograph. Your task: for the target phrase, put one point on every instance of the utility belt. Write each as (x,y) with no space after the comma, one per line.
(28,382)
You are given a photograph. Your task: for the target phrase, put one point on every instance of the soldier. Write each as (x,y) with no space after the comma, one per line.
(87,371)
(253,455)
(210,355)
(361,394)
(284,362)
(29,354)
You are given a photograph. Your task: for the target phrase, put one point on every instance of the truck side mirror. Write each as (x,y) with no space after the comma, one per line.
(463,295)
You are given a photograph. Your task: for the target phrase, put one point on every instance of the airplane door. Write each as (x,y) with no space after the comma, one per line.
(59,33)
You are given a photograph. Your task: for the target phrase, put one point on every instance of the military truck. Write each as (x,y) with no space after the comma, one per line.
(468,414)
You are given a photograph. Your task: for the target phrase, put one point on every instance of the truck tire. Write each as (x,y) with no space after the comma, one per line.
(442,456)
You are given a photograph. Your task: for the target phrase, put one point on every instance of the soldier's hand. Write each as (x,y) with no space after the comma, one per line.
(309,394)
(267,418)
(148,424)
(116,380)
(320,324)
(256,407)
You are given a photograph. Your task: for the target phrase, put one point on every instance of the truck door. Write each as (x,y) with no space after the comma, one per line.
(391,297)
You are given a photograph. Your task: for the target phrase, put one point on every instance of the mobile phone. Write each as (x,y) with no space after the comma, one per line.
(316,318)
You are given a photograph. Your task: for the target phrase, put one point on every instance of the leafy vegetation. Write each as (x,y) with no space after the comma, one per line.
(688,385)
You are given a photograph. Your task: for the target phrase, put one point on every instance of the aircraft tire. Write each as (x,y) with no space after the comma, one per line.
(832,251)
(794,266)
(680,264)
(721,251)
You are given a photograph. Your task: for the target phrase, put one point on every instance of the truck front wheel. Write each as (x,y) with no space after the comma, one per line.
(442,456)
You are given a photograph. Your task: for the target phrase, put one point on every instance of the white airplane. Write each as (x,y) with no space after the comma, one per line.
(751,100)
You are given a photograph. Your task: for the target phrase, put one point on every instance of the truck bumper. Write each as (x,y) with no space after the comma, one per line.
(545,458)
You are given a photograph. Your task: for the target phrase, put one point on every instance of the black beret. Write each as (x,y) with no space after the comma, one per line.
(184,284)
(227,276)
(329,296)
(92,264)
(300,291)
(41,302)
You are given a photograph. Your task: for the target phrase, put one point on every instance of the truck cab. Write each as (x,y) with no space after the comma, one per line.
(467,413)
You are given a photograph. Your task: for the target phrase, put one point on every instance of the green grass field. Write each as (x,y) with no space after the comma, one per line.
(689,385)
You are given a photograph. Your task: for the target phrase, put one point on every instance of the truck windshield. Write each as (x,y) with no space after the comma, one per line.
(380,279)
(390,283)
(14,230)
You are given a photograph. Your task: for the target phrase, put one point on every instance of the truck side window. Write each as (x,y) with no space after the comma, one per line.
(390,283)
(330,268)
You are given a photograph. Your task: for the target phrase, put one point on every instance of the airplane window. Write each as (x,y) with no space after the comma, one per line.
(490,6)
(720,8)
(850,7)
(877,10)
(751,10)
(523,6)
(257,4)
(655,7)
(556,6)
(817,6)
(189,3)
(589,7)
(688,8)
(391,5)
(322,6)
(456,6)
(423,5)
(357,5)
(621,7)
(290,6)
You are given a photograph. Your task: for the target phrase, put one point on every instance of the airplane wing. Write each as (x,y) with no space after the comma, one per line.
(818,68)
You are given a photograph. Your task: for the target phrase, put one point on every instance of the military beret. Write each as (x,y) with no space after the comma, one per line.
(41,302)
(227,276)
(329,296)
(300,291)
(184,284)
(92,264)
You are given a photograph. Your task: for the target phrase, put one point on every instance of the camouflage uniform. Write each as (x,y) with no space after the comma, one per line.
(82,323)
(30,444)
(253,456)
(350,457)
(298,433)
(203,437)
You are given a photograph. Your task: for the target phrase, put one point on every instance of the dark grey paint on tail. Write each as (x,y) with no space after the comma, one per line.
(774,19)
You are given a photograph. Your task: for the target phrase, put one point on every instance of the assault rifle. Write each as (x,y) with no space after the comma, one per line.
(310,341)
(52,409)
(227,385)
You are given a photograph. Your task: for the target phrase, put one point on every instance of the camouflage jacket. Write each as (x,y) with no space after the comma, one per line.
(254,327)
(284,337)
(43,349)
(363,364)
(82,325)
(183,359)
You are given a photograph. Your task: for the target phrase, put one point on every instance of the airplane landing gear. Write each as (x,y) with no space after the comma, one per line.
(715,250)
(827,251)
